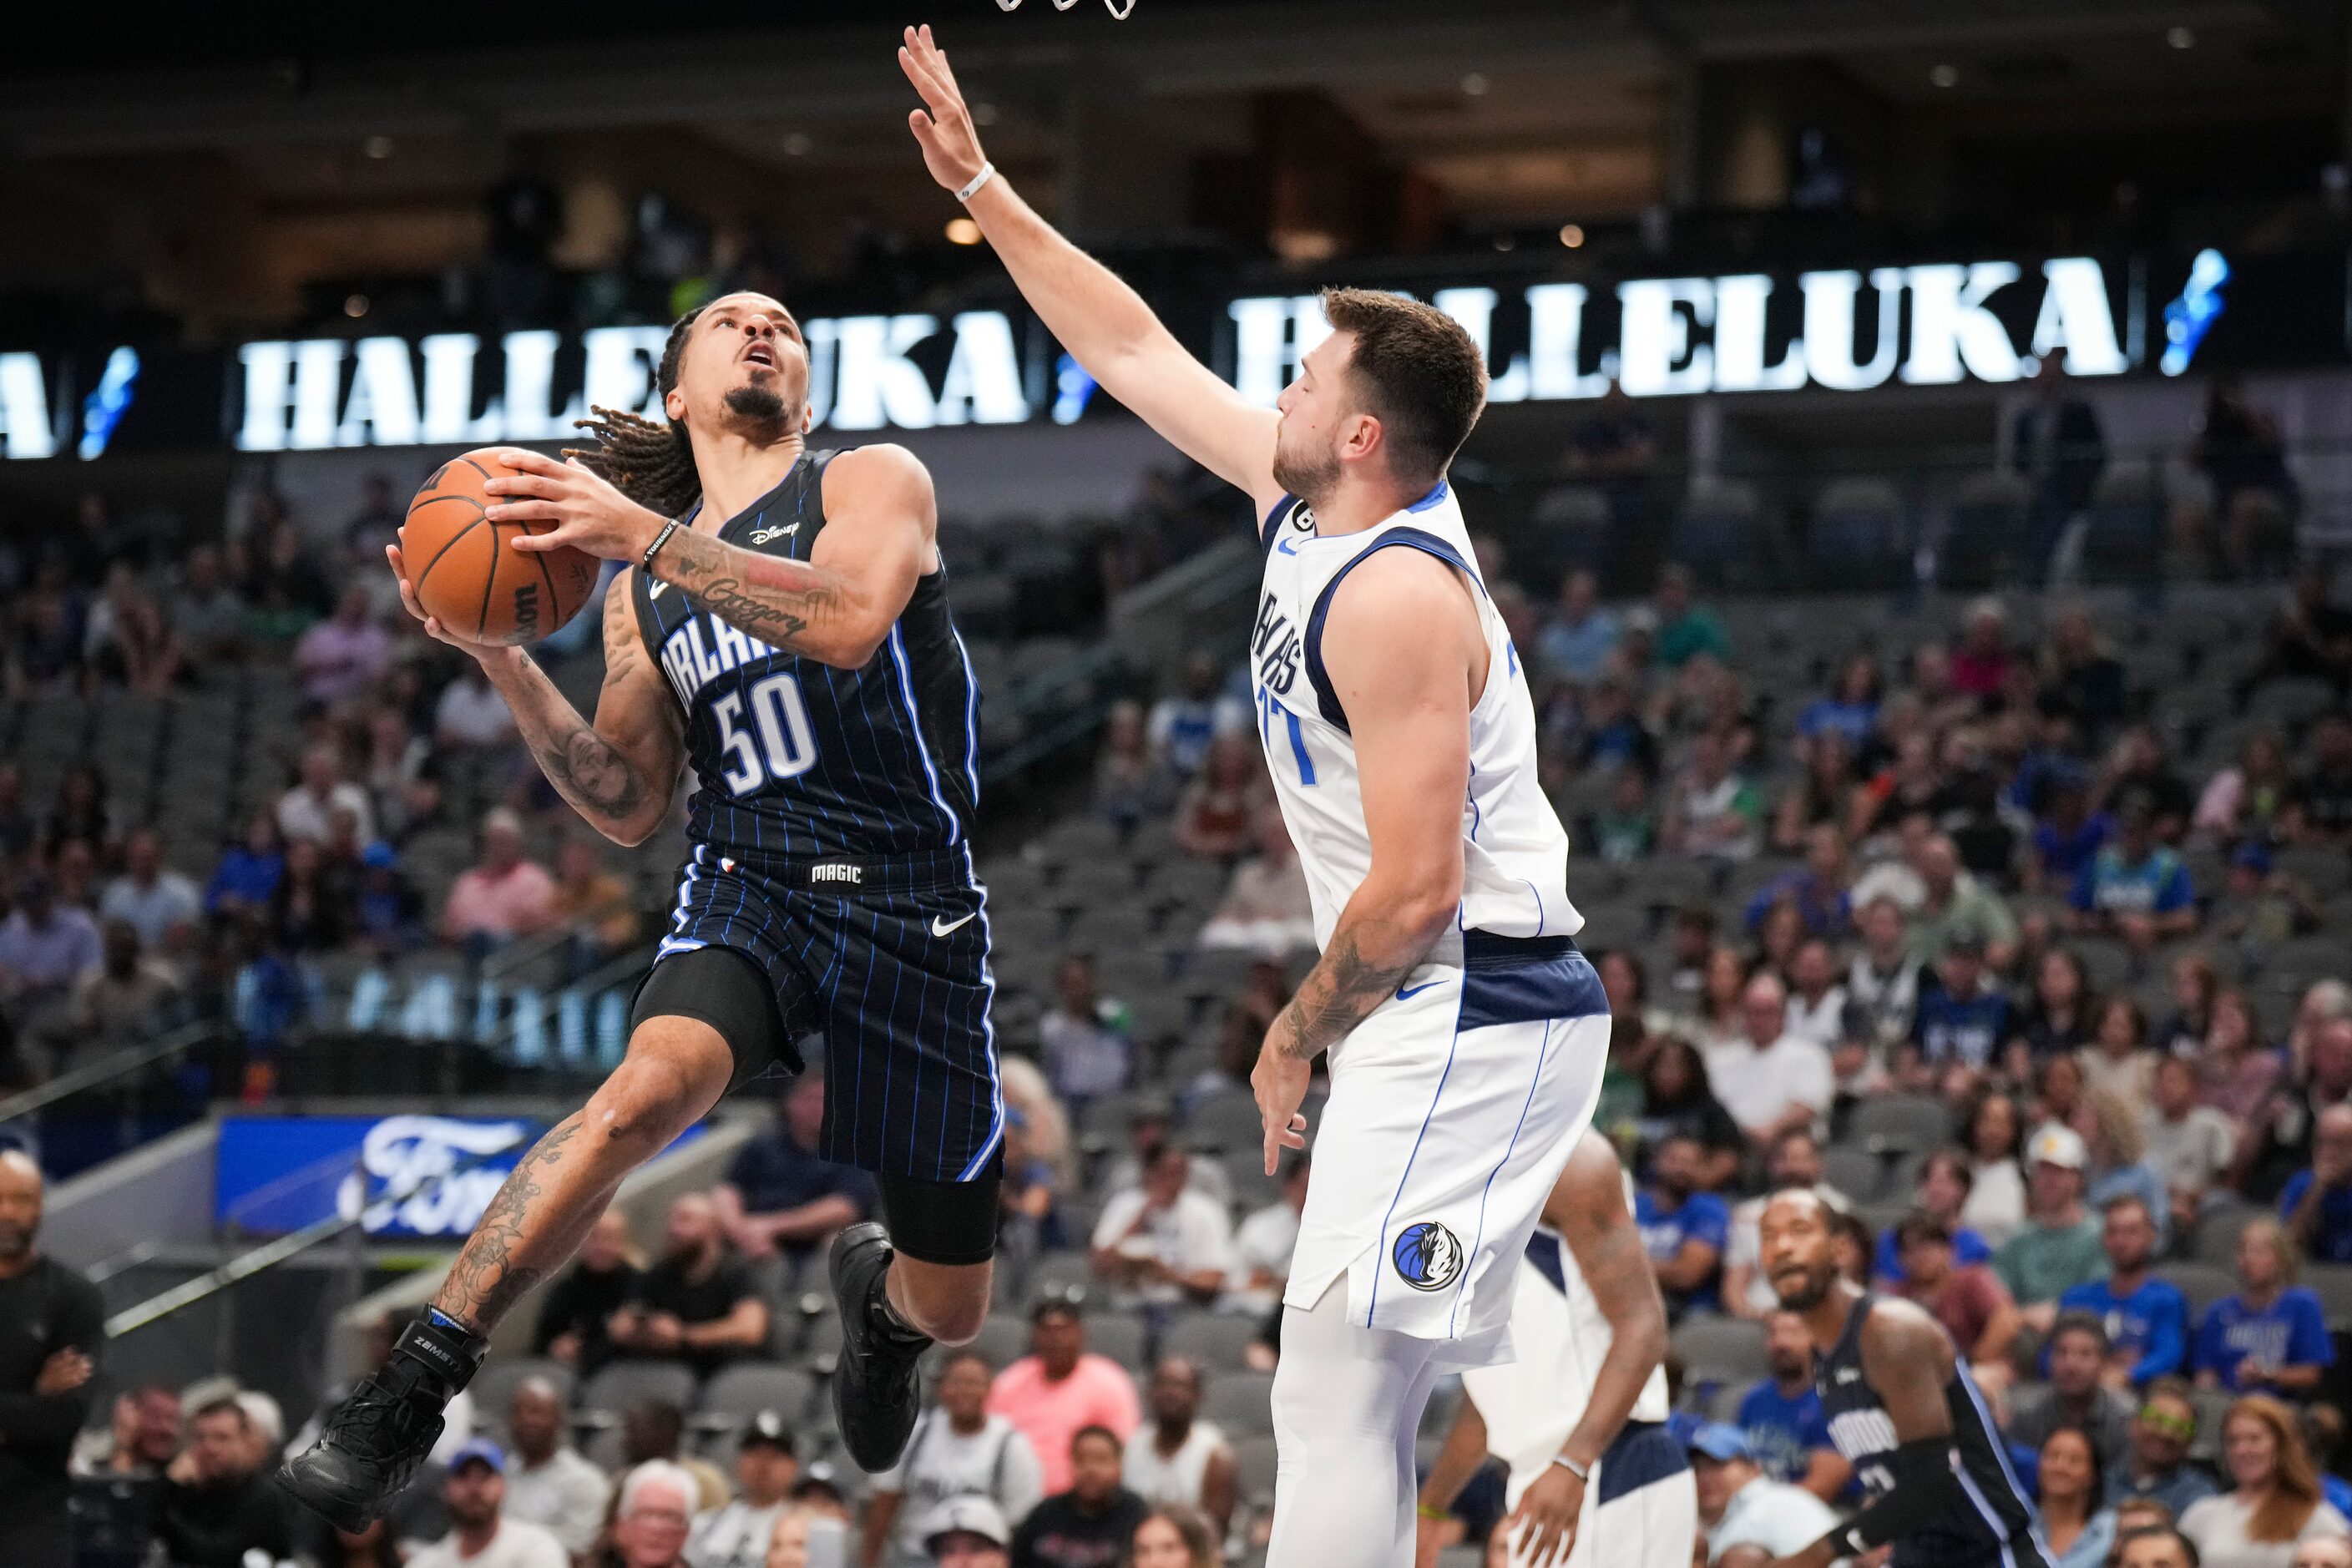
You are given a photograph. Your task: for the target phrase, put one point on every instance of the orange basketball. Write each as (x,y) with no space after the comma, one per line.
(465,571)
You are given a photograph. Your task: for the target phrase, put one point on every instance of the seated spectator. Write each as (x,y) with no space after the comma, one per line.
(736,1534)
(2259,906)
(154,901)
(45,946)
(1820,887)
(1161,1243)
(1186,725)
(2067,834)
(1265,909)
(2075,1396)
(1177,1457)
(476,1493)
(1215,814)
(129,640)
(1962,1022)
(2139,766)
(2058,1247)
(2274,1499)
(217,1504)
(248,872)
(471,714)
(1992,1132)
(594,903)
(2135,887)
(1060,1387)
(1738,1504)
(1174,1536)
(1624,829)
(657,1503)
(1883,982)
(142,1441)
(2309,638)
(1028,1219)
(1823,795)
(2271,1336)
(1715,1019)
(575,1316)
(1817,1003)
(307,810)
(1946,1183)
(2110,1129)
(2319,805)
(1957,906)
(1614,734)
(548,1483)
(781,1197)
(2190,1146)
(1771,1081)
(1686,627)
(1781,1418)
(2237,1073)
(502,896)
(2145,1319)
(2155,1464)
(1965,1299)
(654,1430)
(116,1004)
(2076,1523)
(1582,634)
(1794,1160)
(2317,1202)
(2057,1016)
(1713,811)
(1264,1242)
(967,1532)
(1151,1125)
(206,613)
(1850,711)
(1682,1229)
(345,654)
(1091,1524)
(958,1450)
(1677,1100)
(1980,664)
(697,1302)
(311,910)
(2244,801)
(1131,782)
(387,912)
(1084,1037)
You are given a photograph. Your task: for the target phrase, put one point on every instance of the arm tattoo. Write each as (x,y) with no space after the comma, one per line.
(592,773)
(1338,993)
(779,602)
(489,1276)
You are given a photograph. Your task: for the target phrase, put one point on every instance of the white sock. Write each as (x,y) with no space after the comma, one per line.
(1347,1408)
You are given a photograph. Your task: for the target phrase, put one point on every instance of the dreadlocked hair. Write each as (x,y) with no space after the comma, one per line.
(650,462)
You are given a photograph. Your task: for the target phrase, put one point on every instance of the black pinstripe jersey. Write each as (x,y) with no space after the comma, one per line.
(1994,1526)
(795,759)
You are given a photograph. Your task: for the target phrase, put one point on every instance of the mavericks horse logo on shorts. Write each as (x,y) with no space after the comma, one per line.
(1427,1256)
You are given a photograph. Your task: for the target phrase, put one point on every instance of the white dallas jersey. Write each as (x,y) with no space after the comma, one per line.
(1562,1338)
(1515,852)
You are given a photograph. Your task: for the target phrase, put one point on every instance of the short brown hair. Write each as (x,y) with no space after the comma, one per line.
(1420,375)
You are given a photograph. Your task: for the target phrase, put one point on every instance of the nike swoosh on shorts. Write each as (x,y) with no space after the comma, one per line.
(939,929)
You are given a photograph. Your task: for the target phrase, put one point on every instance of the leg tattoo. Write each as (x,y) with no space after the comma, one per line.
(490,1275)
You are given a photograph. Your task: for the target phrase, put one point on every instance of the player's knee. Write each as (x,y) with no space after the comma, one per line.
(959,1322)
(658,1092)
(949,1304)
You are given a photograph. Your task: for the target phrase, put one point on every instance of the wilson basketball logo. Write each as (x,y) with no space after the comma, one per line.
(526,611)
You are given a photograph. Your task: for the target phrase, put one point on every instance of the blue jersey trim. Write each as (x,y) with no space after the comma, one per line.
(1644,1454)
(1273,519)
(1327,700)
(922,747)
(1436,494)
(1563,987)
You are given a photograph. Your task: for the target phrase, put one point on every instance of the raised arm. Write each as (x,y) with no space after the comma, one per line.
(619,773)
(1106,326)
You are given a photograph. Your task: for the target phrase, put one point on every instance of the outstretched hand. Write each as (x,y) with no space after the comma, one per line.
(951,143)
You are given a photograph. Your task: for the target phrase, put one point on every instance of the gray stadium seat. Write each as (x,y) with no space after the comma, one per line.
(2332,1283)
(1003,1339)
(1900,1121)
(1716,1348)
(1857,1173)
(2218,1225)
(1217,1341)
(624,1382)
(1255,1459)
(1122,1336)
(738,1392)
(1241,1403)
(495,1384)
(2203,1283)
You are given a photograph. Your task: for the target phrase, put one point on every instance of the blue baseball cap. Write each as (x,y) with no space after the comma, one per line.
(481,1450)
(1721,1442)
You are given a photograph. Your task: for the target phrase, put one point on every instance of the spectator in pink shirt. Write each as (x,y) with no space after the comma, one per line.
(1059,1388)
(343,655)
(1981,665)
(503,896)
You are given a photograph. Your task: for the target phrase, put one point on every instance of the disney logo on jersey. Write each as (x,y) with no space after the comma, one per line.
(1427,1256)
(766,536)
(1274,645)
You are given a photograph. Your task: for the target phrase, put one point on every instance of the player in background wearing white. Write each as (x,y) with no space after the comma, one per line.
(1465,1033)
(1586,1393)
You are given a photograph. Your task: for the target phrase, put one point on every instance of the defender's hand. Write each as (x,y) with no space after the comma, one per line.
(1280,1085)
(950,145)
(1545,1521)
(588,513)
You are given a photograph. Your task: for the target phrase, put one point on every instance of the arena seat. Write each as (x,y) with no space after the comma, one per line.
(1218,1341)
(736,1393)
(1240,1404)
(1900,1123)
(499,1376)
(1716,1347)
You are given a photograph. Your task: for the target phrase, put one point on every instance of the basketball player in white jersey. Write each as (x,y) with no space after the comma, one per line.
(1579,1415)
(1465,1033)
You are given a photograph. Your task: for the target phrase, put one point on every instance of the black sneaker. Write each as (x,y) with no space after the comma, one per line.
(875,1397)
(375,1442)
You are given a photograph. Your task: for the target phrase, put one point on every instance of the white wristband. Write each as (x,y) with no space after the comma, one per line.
(987,173)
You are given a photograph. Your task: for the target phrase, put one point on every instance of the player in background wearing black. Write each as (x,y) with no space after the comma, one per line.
(1902,1410)
(783,630)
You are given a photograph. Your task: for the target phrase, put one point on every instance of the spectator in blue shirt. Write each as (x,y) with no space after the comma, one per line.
(1577,641)
(2271,1336)
(1819,888)
(2134,887)
(2157,1464)
(1963,1022)
(2147,1318)
(2067,832)
(2317,1202)
(1682,1229)
(1945,1182)
(780,1199)
(247,872)
(1852,707)
(1782,1415)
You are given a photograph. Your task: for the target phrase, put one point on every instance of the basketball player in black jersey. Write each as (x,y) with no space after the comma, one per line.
(1901,1409)
(782,627)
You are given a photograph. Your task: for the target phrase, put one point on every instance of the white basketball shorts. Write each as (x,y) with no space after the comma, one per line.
(1640,1510)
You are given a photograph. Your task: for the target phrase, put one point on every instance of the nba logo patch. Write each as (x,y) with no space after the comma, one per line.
(1427,1256)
